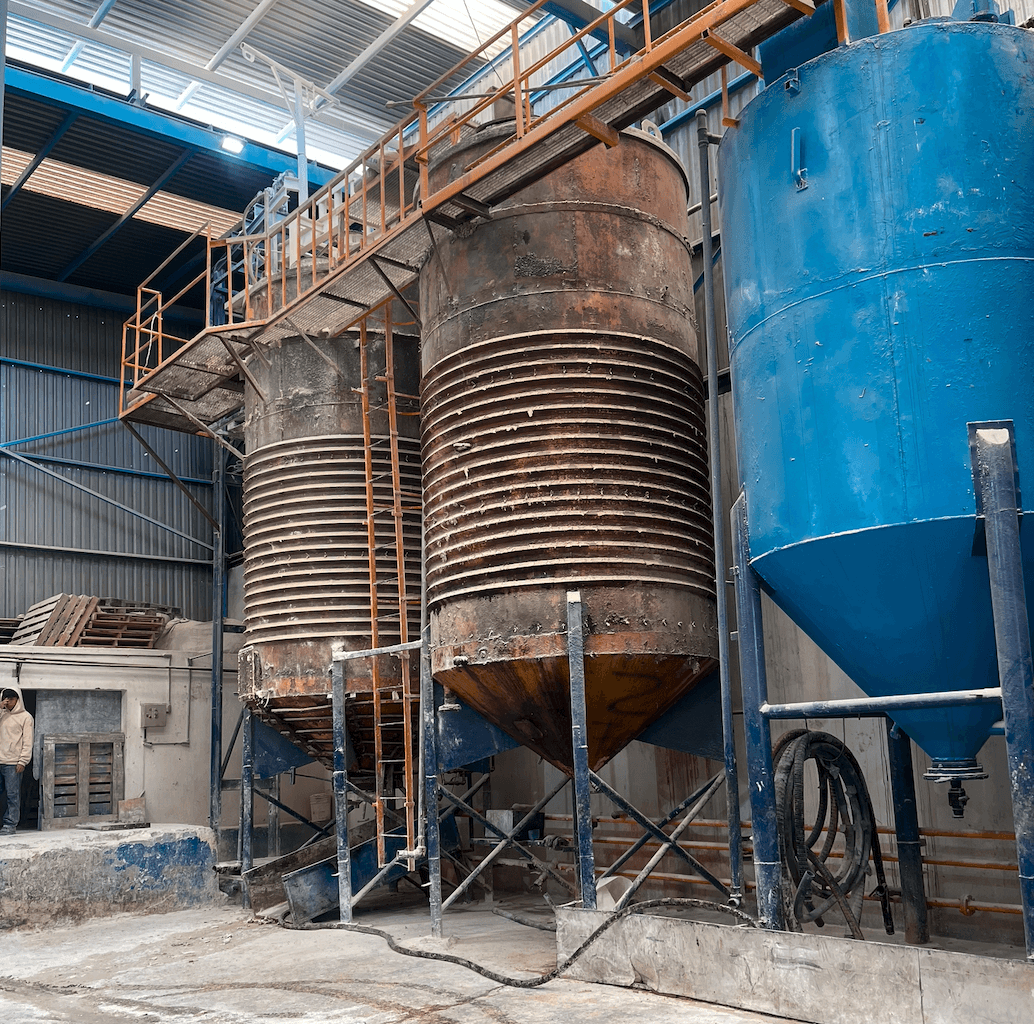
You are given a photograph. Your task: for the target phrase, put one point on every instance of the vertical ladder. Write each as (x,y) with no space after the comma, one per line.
(394,702)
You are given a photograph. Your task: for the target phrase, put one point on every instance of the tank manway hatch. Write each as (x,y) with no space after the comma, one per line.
(564,448)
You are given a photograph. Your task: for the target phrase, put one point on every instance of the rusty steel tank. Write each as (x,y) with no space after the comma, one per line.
(564,448)
(308,551)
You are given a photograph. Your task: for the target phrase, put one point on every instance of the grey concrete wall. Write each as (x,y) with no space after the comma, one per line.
(69,876)
(825,980)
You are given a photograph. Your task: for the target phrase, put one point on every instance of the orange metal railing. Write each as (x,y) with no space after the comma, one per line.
(376,196)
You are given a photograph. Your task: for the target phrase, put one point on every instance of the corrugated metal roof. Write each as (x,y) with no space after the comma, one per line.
(315,39)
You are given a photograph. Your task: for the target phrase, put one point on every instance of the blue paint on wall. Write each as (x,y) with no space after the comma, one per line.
(183,866)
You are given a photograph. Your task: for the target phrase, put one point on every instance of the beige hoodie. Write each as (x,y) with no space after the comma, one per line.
(15,732)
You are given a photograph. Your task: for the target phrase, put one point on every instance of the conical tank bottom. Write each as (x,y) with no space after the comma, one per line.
(901,609)
(530,699)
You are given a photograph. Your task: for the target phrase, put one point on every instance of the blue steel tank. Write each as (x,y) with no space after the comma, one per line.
(878,239)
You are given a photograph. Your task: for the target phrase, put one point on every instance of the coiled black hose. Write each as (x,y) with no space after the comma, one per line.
(811,887)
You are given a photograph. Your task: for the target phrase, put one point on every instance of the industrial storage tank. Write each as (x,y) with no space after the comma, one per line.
(564,449)
(308,552)
(878,239)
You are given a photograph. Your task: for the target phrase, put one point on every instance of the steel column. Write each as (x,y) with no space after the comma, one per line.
(344,852)
(714,444)
(218,517)
(247,825)
(906,828)
(754,688)
(995,483)
(432,828)
(580,743)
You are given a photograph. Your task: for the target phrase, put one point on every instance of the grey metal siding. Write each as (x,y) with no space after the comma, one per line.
(58,362)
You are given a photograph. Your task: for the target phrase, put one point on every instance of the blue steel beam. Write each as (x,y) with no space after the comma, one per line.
(157,125)
(104,497)
(154,188)
(39,157)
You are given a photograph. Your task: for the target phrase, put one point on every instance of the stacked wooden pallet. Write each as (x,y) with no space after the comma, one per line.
(56,622)
(8,627)
(123,626)
(70,620)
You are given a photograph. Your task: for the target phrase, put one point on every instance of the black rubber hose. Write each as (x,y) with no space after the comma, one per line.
(812,888)
(542,979)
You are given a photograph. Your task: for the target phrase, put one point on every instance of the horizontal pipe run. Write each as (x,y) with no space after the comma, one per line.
(97,468)
(413,645)
(44,368)
(879,705)
(934,902)
(882,829)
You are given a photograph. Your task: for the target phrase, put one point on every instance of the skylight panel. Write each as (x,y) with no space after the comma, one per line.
(466,24)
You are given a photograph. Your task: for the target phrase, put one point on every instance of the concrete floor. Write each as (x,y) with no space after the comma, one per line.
(221,965)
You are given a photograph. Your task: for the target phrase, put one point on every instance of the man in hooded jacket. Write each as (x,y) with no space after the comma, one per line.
(15,753)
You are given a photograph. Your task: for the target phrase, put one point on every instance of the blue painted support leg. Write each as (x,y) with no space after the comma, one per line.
(247,799)
(994,477)
(580,742)
(754,687)
(430,781)
(906,827)
(344,853)
(714,452)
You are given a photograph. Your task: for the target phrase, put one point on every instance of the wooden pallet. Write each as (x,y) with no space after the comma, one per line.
(118,629)
(56,622)
(8,627)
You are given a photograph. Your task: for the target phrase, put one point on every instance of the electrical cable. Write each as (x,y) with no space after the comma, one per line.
(503,979)
(811,889)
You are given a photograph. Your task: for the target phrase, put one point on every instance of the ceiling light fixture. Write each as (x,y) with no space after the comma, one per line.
(232,144)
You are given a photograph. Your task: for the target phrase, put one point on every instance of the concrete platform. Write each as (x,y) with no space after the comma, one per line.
(71,875)
(222,966)
(824,979)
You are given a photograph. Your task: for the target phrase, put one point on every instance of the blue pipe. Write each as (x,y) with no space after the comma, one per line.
(105,469)
(79,374)
(906,829)
(994,479)
(58,433)
(714,445)
(861,706)
(754,688)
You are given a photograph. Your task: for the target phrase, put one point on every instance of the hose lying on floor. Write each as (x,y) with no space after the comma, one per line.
(503,979)
(811,887)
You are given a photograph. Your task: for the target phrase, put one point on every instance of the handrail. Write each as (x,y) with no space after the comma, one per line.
(386,189)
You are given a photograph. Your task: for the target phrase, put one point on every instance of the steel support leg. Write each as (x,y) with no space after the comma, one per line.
(714,450)
(906,827)
(580,743)
(217,768)
(247,799)
(754,687)
(432,827)
(994,477)
(344,852)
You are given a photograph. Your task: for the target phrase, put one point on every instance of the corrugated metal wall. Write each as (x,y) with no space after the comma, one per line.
(58,376)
